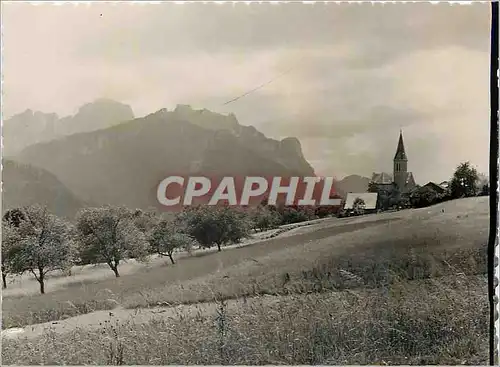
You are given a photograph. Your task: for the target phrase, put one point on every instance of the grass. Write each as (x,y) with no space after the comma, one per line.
(439,321)
(350,295)
(190,280)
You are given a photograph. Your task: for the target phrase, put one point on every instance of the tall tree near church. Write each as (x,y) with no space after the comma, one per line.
(463,183)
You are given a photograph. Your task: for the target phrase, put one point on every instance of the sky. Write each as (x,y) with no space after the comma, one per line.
(347,77)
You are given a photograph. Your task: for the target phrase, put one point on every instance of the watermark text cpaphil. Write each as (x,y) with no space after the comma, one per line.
(175,191)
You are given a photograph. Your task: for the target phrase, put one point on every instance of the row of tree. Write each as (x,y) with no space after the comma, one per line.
(38,242)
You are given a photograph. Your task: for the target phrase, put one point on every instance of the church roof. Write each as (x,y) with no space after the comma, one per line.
(400,151)
(409,176)
(382,178)
(386,178)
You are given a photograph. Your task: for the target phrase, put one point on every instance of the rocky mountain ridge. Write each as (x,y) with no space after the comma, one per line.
(123,164)
(31,127)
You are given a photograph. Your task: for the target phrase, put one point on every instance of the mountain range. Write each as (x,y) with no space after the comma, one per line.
(104,155)
(31,127)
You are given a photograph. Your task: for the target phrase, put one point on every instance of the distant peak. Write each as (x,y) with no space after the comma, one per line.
(291,141)
(106,106)
(103,101)
(183,107)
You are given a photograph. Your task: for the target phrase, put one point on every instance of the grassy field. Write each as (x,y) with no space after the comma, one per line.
(398,288)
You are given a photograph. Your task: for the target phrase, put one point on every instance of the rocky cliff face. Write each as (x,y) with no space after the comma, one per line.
(123,164)
(287,152)
(31,127)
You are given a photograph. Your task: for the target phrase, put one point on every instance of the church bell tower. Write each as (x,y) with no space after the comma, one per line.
(400,164)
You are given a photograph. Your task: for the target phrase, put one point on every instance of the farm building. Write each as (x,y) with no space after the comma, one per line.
(434,187)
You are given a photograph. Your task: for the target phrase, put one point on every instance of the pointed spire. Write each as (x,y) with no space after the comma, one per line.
(400,151)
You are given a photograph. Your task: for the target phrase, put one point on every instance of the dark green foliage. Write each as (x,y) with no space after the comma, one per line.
(264,218)
(165,238)
(423,197)
(14,217)
(485,190)
(215,225)
(463,183)
(35,241)
(296,214)
(324,211)
(109,235)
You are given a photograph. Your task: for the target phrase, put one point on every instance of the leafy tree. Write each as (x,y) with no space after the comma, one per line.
(14,217)
(264,218)
(44,243)
(463,183)
(359,205)
(165,238)
(296,214)
(482,184)
(10,239)
(387,196)
(424,196)
(485,190)
(145,220)
(110,235)
(215,225)
(394,196)
(323,211)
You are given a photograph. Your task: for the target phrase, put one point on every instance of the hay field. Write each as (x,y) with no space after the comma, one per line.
(373,289)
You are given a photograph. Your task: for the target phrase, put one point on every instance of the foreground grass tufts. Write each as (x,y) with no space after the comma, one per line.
(438,321)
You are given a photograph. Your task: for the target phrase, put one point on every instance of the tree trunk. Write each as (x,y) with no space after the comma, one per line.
(4,280)
(171,258)
(41,280)
(115,270)
(114,267)
(218,247)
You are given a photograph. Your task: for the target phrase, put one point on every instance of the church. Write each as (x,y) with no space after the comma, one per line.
(401,178)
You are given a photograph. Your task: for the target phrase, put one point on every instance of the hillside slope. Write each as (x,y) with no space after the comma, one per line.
(123,164)
(25,185)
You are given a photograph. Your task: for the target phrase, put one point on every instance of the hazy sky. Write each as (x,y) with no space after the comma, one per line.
(358,72)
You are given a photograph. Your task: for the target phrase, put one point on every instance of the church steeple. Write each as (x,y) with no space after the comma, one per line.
(400,151)
(400,164)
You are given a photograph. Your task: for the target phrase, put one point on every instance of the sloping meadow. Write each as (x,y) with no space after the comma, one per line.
(410,291)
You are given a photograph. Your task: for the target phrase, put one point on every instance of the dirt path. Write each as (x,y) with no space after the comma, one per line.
(100,319)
